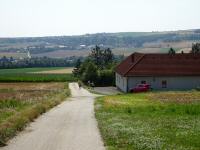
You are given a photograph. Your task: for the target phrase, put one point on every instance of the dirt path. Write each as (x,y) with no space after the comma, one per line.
(69,126)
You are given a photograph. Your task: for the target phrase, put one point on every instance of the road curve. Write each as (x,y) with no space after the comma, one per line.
(69,126)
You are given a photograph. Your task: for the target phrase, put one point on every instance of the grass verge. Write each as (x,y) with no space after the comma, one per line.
(23,112)
(157,120)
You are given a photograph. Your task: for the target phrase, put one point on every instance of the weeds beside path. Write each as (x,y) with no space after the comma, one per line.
(16,113)
(70,126)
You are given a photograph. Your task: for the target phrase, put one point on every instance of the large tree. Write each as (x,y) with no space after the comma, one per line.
(172,51)
(108,56)
(97,68)
(101,57)
(91,73)
(195,48)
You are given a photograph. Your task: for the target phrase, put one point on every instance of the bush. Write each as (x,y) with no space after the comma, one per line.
(106,78)
(198,88)
(90,73)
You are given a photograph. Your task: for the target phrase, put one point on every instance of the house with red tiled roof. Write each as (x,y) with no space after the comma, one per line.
(161,71)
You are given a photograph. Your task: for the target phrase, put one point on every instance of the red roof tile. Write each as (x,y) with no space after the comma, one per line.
(139,64)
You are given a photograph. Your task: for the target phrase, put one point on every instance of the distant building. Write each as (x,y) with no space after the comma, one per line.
(82,45)
(161,71)
(28,55)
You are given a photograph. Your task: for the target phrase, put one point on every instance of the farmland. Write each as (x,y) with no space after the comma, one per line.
(26,93)
(34,75)
(28,70)
(57,71)
(155,120)
(21,103)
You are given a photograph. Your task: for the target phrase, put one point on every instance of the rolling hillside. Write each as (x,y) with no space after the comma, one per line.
(121,43)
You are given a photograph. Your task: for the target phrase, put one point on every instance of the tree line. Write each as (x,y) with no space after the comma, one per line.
(8,63)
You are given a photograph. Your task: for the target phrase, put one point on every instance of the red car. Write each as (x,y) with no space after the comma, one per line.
(141,88)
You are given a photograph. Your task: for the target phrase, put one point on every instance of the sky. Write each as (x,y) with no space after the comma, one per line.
(31,18)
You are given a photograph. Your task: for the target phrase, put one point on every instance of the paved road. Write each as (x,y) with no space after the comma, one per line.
(69,126)
(107,90)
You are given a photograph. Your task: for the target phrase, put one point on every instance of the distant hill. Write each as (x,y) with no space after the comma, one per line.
(128,41)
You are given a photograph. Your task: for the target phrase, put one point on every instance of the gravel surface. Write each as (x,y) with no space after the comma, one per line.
(69,126)
(107,90)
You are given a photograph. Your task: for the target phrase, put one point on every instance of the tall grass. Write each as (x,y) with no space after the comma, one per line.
(26,112)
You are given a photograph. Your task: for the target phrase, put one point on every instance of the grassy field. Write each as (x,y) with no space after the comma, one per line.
(36,75)
(21,103)
(156,120)
(29,70)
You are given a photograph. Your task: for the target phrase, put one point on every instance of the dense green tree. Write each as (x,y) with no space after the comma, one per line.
(195,48)
(172,51)
(77,68)
(107,56)
(98,68)
(96,56)
(101,57)
(91,73)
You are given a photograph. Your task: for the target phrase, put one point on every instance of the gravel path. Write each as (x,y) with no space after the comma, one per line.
(69,126)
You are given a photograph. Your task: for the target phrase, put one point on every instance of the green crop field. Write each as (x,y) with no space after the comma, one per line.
(156,120)
(28,70)
(28,75)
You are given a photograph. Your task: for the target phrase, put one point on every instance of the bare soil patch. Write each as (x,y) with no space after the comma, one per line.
(57,71)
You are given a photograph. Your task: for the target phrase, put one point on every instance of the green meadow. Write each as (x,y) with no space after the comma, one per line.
(155,120)
(28,75)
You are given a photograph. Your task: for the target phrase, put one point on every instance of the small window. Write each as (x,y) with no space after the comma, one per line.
(143,82)
(164,84)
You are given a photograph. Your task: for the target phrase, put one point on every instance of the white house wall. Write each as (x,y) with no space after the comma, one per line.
(121,82)
(173,83)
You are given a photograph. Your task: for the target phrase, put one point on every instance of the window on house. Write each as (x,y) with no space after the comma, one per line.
(143,82)
(164,84)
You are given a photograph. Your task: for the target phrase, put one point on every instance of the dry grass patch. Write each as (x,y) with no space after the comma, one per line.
(21,103)
(178,97)
(57,71)
(28,91)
